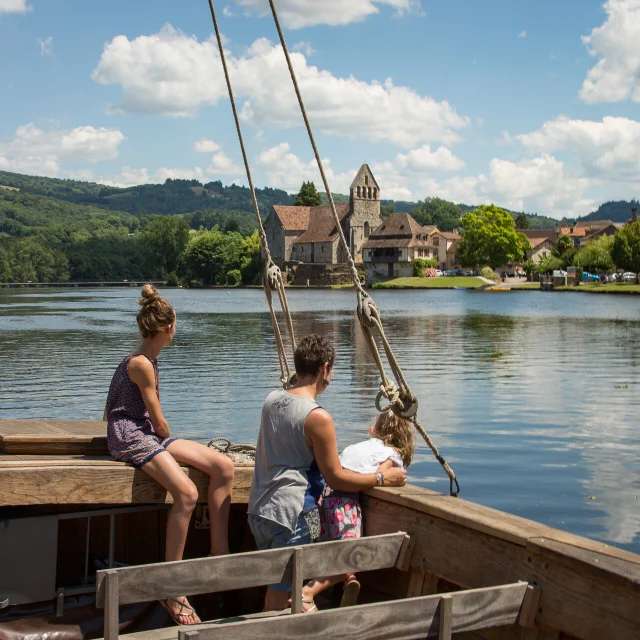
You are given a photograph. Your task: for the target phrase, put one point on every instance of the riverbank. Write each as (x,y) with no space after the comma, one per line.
(432,283)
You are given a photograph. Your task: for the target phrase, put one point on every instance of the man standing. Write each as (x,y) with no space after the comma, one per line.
(294,431)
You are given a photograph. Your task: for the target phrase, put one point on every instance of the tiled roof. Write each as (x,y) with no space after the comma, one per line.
(593,224)
(321,226)
(450,235)
(399,224)
(430,228)
(536,242)
(293,218)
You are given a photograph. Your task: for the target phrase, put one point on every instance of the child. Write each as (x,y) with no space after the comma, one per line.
(391,444)
(138,433)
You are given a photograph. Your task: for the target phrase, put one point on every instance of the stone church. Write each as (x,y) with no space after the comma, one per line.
(309,234)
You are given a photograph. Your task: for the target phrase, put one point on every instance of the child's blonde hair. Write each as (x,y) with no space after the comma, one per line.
(396,432)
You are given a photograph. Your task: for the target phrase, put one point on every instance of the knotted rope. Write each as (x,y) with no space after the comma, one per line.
(239,453)
(398,394)
(272,279)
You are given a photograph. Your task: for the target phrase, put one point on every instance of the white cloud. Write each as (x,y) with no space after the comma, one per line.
(206,146)
(304,47)
(616,75)
(46,46)
(423,159)
(172,74)
(609,149)
(228,12)
(296,14)
(221,164)
(14,6)
(285,170)
(522,34)
(35,150)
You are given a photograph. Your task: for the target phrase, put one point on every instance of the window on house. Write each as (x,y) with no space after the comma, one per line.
(544,254)
(370,193)
(366,179)
(436,242)
(367,229)
(375,193)
(358,191)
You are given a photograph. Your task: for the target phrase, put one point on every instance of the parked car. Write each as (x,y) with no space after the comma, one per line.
(438,273)
(628,276)
(465,272)
(452,272)
(511,274)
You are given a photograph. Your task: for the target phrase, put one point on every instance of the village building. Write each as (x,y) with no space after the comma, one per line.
(310,235)
(393,247)
(542,242)
(586,230)
(446,243)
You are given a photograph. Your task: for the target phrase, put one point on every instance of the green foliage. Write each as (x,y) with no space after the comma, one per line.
(234,278)
(529,267)
(617,211)
(242,221)
(436,211)
(210,256)
(387,209)
(421,264)
(596,255)
(625,250)
(165,239)
(490,274)
(308,196)
(565,251)
(490,238)
(549,264)
(30,259)
(173,280)
(522,221)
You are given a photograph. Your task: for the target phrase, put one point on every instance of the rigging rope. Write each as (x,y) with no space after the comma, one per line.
(398,394)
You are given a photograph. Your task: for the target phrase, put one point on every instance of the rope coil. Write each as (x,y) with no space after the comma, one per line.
(399,395)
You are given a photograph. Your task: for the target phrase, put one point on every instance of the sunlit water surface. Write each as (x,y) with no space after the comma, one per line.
(532,397)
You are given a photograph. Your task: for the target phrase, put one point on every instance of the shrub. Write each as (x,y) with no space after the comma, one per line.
(490,274)
(234,277)
(420,265)
(172,279)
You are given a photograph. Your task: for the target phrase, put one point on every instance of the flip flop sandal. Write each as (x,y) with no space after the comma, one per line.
(350,593)
(312,608)
(176,616)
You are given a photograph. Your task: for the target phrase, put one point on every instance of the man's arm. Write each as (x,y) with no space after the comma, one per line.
(321,435)
(141,372)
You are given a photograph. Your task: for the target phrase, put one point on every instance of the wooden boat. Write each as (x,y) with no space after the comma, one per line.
(500,288)
(431,565)
(461,288)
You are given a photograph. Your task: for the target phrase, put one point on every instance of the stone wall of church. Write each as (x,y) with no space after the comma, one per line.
(364,220)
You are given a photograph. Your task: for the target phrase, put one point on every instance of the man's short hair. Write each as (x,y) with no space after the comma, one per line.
(312,352)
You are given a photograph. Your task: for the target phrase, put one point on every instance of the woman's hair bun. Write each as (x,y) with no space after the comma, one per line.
(149,294)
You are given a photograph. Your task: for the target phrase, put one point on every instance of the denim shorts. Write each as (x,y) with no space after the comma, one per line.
(272,535)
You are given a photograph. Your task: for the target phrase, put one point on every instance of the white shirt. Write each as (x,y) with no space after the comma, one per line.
(367,456)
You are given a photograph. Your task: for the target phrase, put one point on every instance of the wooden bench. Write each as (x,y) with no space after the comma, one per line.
(409,618)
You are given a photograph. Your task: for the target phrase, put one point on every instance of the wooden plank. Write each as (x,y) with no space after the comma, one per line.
(474,516)
(529,608)
(404,558)
(416,580)
(100,484)
(111,611)
(52,427)
(398,619)
(297,580)
(257,568)
(573,599)
(597,564)
(55,444)
(444,616)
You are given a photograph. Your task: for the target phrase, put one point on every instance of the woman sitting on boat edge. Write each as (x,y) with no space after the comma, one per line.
(294,431)
(138,433)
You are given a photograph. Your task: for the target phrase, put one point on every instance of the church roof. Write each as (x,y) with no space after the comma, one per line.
(358,179)
(321,226)
(552,234)
(293,218)
(399,224)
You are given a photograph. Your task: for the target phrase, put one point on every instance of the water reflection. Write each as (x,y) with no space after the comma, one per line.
(533,398)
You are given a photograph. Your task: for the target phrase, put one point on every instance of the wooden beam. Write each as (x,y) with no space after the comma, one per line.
(52,428)
(109,483)
(238,571)
(297,580)
(395,620)
(111,610)
(529,608)
(574,599)
(55,444)
(445,617)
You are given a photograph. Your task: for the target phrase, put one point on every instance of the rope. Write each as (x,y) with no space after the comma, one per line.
(239,453)
(399,395)
(272,279)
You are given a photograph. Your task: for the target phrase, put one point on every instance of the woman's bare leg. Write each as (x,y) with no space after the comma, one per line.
(166,472)
(220,470)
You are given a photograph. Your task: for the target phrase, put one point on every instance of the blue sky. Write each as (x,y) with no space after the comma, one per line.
(532,104)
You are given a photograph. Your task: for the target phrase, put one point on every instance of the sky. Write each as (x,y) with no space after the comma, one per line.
(530,104)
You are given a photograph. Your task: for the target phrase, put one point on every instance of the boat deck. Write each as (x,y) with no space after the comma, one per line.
(67,462)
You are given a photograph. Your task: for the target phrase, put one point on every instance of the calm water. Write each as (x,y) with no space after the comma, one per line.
(532,397)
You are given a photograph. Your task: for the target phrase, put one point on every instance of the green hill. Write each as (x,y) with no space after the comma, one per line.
(616,211)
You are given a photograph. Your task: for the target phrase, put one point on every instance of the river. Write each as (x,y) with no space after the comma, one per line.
(532,397)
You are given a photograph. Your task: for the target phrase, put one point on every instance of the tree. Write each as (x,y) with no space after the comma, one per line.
(565,251)
(442,213)
(387,209)
(596,255)
(522,221)
(490,238)
(165,238)
(549,264)
(308,196)
(625,250)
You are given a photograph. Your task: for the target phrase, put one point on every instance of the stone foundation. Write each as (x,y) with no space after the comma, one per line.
(318,275)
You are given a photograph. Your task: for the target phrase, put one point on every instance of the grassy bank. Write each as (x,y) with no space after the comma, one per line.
(430,283)
(527,285)
(596,287)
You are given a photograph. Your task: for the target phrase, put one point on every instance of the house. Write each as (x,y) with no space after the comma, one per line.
(392,248)
(446,243)
(310,235)
(542,242)
(586,230)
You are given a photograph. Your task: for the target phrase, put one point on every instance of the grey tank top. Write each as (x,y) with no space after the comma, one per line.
(283,458)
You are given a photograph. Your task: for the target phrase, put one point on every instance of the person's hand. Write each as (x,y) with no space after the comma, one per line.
(395,477)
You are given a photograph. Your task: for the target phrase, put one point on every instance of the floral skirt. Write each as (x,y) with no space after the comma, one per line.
(340,516)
